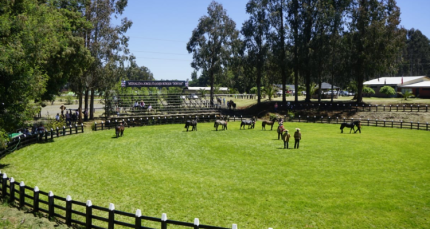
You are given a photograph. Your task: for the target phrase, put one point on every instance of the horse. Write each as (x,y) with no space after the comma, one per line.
(231,104)
(250,123)
(351,125)
(220,123)
(120,129)
(269,123)
(192,123)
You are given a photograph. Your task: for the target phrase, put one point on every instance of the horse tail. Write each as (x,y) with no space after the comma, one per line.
(342,126)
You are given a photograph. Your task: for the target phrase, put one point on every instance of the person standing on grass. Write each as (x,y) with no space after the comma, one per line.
(67,118)
(286,137)
(276,107)
(281,128)
(297,138)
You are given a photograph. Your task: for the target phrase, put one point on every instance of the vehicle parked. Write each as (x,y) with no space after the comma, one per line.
(330,92)
(343,93)
(193,96)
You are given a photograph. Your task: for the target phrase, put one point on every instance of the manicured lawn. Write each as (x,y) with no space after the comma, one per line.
(377,179)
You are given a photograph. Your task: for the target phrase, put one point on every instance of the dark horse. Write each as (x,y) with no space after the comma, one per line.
(250,123)
(351,125)
(221,123)
(231,104)
(269,123)
(120,129)
(192,123)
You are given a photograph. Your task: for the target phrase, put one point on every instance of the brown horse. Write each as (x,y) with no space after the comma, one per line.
(231,104)
(120,129)
(269,123)
(220,123)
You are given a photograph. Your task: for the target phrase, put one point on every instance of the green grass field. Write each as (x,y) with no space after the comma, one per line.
(377,179)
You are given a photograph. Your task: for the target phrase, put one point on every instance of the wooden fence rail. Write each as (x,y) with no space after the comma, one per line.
(41,137)
(365,122)
(358,107)
(159,120)
(21,195)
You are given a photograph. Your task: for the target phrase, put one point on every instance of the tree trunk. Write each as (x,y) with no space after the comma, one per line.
(332,87)
(308,86)
(259,83)
(296,84)
(211,75)
(360,90)
(92,104)
(86,100)
(80,107)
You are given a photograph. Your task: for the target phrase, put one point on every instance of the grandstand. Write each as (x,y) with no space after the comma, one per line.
(123,106)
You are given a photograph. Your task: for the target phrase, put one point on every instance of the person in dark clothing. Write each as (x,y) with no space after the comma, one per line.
(297,138)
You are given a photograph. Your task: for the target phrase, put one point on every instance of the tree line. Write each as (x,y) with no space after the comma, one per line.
(305,43)
(47,44)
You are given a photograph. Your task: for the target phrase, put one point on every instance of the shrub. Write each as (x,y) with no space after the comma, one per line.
(387,90)
(69,100)
(272,116)
(291,115)
(3,139)
(52,123)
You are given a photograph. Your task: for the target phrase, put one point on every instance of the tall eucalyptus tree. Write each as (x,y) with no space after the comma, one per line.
(255,31)
(278,38)
(211,42)
(375,38)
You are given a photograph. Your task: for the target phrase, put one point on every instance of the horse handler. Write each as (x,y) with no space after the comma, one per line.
(286,137)
(297,138)
(281,128)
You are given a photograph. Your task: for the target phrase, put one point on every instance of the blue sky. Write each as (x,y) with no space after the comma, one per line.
(161,30)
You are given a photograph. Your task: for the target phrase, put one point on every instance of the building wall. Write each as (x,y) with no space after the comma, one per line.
(424,92)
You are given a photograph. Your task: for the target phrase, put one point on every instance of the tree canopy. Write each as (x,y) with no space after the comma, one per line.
(211,42)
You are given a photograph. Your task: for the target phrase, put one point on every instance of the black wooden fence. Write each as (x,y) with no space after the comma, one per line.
(41,137)
(159,120)
(66,209)
(365,122)
(358,107)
